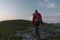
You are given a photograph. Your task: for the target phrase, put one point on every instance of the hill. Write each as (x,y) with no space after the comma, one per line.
(9,28)
(18,24)
(57,24)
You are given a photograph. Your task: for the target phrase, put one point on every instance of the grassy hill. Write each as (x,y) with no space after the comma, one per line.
(8,28)
(15,24)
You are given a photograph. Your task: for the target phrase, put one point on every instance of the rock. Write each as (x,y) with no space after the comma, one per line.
(26,35)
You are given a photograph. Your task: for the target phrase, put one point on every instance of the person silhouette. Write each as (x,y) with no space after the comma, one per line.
(37,19)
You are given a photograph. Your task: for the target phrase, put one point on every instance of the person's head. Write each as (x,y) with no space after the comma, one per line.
(36,11)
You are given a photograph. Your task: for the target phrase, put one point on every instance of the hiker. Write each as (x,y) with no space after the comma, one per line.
(37,19)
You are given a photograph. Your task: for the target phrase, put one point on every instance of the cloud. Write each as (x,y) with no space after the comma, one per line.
(52,18)
(53,14)
(47,4)
(51,5)
(46,1)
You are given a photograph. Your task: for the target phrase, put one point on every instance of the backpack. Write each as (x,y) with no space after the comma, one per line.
(38,17)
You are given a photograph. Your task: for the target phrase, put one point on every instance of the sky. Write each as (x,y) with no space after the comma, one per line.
(23,9)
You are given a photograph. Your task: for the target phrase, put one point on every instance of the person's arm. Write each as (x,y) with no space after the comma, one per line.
(41,19)
(33,21)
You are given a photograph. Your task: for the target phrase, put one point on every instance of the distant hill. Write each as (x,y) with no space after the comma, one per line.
(21,24)
(56,24)
(17,22)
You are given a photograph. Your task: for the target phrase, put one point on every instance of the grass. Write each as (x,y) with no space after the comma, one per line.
(8,28)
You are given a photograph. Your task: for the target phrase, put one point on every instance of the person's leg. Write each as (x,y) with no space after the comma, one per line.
(37,31)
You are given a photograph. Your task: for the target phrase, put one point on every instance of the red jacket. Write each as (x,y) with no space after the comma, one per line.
(36,16)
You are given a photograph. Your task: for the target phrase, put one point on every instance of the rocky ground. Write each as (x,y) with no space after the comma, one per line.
(29,34)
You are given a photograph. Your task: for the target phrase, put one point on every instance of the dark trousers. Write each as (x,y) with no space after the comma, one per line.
(37,30)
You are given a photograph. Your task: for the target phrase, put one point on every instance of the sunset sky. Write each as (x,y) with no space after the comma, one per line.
(23,9)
